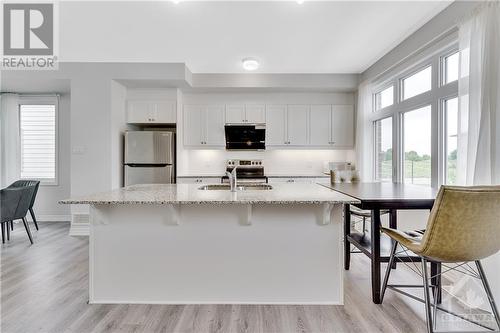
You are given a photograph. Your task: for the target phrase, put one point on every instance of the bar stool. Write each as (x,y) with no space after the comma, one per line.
(463,227)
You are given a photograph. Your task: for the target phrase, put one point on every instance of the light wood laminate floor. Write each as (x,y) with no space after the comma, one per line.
(44,289)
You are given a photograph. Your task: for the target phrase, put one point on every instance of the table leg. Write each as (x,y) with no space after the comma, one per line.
(436,279)
(393,224)
(347,232)
(375,251)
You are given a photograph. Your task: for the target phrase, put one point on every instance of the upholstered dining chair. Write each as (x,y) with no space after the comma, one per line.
(463,227)
(15,205)
(23,183)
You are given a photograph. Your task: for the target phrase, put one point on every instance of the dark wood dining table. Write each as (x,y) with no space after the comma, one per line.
(377,197)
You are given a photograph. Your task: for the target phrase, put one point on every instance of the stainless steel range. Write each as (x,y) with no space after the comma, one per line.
(247,171)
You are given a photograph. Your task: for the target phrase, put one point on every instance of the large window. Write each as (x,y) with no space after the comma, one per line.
(414,119)
(383,149)
(38,142)
(417,146)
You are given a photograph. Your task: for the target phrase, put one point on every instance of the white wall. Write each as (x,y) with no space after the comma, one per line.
(118,126)
(277,161)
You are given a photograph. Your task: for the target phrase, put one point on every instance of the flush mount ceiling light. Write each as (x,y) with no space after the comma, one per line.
(300,2)
(250,64)
(175,1)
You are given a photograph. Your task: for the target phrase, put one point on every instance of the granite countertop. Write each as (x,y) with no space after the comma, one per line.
(295,193)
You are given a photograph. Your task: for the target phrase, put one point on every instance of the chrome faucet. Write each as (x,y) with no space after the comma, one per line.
(232,179)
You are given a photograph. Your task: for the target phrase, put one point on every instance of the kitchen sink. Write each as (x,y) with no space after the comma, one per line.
(226,187)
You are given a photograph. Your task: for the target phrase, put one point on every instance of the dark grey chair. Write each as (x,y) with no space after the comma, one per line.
(23,183)
(15,203)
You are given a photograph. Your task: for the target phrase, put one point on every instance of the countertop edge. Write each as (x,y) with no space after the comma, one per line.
(244,202)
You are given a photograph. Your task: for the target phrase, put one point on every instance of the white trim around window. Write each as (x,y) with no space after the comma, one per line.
(435,97)
(43,100)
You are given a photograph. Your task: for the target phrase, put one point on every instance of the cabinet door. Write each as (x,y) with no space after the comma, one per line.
(275,126)
(343,126)
(255,114)
(198,180)
(235,114)
(214,125)
(194,129)
(139,112)
(164,112)
(297,124)
(320,125)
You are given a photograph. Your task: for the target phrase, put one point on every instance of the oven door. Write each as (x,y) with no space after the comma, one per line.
(245,137)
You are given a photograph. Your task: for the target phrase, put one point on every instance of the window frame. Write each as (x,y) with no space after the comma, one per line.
(443,137)
(42,100)
(375,152)
(434,97)
(415,70)
(442,67)
(379,91)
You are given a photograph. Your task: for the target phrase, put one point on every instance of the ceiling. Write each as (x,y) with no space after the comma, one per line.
(213,37)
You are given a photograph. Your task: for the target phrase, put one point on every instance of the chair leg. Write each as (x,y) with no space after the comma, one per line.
(8,230)
(32,213)
(488,292)
(27,227)
(388,271)
(3,233)
(428,310)
(12,225)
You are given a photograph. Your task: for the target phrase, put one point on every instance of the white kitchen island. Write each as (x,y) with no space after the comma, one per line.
(177,244)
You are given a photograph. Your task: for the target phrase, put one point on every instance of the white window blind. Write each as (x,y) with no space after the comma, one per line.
(38,142)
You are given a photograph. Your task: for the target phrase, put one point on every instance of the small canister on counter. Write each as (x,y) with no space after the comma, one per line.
(332,176)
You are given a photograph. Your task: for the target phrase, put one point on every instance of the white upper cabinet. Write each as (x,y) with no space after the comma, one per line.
(287,125)
(214,122)
(194,129)
(236,114)
(157,112)
(275,125)
(320,118)
(164,112)
(297,124)
(255,114)
(203,125)
(343,126)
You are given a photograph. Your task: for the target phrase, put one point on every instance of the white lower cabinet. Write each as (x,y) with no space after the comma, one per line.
(198,180)
(291,180)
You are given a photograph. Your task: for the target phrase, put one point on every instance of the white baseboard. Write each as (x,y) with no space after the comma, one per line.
(50,218)
(80,225)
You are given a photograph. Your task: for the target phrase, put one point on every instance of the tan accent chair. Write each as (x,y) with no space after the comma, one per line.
(463,226)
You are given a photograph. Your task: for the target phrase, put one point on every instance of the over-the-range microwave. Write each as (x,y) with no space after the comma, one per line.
(245,137)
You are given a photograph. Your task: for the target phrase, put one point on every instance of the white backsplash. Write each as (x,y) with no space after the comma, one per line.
(276,161)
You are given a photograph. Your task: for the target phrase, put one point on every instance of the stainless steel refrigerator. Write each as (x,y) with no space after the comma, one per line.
(149,157)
